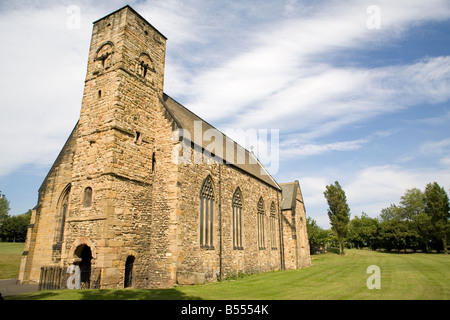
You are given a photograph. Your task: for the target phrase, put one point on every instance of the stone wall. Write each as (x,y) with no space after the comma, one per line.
(295,236)
(141,203)
(200,264)
(304,258)
(41,232)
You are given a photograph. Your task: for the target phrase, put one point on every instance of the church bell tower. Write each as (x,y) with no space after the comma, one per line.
(111,191)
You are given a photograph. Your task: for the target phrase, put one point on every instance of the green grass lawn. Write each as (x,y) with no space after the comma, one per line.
(10,254)
(403,276)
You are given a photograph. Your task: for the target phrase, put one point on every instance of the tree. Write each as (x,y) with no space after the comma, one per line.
(338,212)
(390,213)
(422,222)
(412,206)
(14,228)
(412,203)
(437,207)
(317,236)
(363,231)
(398,234)
(4,207)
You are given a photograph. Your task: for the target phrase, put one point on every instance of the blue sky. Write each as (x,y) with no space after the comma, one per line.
(365,104)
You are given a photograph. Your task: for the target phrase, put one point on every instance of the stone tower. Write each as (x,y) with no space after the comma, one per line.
(117,149)
(108,170)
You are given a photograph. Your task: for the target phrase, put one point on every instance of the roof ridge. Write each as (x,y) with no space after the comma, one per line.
(263,170)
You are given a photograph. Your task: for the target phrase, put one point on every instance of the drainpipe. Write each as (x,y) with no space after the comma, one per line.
(220,222)
(280,225)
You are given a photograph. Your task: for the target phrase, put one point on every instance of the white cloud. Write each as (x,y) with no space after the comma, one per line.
(369,189)
(44,67)
(272,73)
(375,188)
(262,75)
(435,147)
(294,149)
(312,189)
(41,83)
(179,21)
(280,80)
(445,161)
(436,151)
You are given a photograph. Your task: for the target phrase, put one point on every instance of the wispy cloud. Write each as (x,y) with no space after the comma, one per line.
(291,65)
(374,188)
(294,150)
(41,83)
(368,190)
(272,73)
(282,78)
(435,147)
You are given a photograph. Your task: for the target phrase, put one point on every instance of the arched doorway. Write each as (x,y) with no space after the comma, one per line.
(84,253)
(128,282)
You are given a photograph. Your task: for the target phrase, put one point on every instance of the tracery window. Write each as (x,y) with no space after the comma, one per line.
(207,214)
(260,217)
(237,219)
(273,233)
(60,220)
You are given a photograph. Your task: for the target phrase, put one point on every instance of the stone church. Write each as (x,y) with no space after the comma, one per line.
(116,202)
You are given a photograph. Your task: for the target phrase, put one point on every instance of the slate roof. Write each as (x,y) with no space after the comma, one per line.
(234,154)
(289,191)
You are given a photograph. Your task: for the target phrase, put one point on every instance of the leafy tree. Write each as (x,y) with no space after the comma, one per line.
(412,203)
(398,234)
(15,227)
(4,208)
(363,231)
(317,236)
(12,228)
(390,213)
(338,212)
(437,207)
(422,222)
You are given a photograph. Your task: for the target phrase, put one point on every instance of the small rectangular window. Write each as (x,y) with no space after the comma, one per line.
(139,137)
(87,197)
(153,162)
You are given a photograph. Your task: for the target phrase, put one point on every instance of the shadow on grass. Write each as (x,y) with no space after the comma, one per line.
(103,294)
(136,294)
(334,250)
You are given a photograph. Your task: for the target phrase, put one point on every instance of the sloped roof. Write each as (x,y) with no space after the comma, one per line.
(232,153)
(289,192)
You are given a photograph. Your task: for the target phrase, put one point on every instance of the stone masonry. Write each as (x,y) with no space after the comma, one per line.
(117,204)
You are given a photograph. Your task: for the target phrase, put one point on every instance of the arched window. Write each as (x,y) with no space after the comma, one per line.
(104,55)
(206,214)
(260,216)
(273,232)
(237,219)
(87,199)
(144,65)
(60,221)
